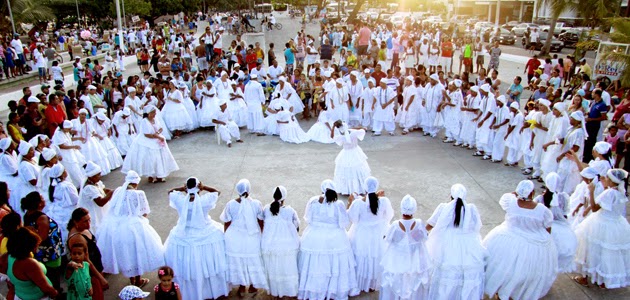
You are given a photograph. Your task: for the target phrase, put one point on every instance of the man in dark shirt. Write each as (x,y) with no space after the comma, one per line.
(31,119)
(596,114)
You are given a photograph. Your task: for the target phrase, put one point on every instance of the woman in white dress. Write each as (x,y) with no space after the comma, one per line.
(351,167)
(433,57)
(242,218)
(574,141)
(236,104)
(557,132)
(409,112)
(289,129)
(367,103)
(471,110)
(174,112)
(150,99)
(513,141)
(9,171)
(326,261)
(94,196)
(134,105)
(28,172)
(370,217)
(102,128)
(321,130)
(288,92)
(207,105)
(128,243)
(63,196)
(406,263)
(149,154)
(47,160)
(189,104)
(455,248)
(451,112)
(580,198)
(124,130)
(280,244)
(195,248)
(72,160)
(604,236)
(529,272)
(90,146)
(563,235)
(271,121)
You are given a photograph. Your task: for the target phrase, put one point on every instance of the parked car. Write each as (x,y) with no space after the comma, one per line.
(505,36)
(556,45)
(520,29)
(509,25)
(479,26)
(570,38)
(560,28)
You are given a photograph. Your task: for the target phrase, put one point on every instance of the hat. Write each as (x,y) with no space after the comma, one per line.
(583,60)
(515,105)
(131,292)
(458,191)
(48,154)
(327,185)
(91,87)
(118,74)
(5,143)
(83,111)
(66,124)
(408,205)
(132,177)
(236,65)
(220,65)
(434,77)
(589,173)
(260,60)
(243,186)
(45,86)
(317,62)
(485,87)
(502,99)
(32,99)
(371,184)
(77,57)
(92,169)
(221,28)
(367,71)
(24,147)
(457,83)
(474,89)
(524,189)
(602,147)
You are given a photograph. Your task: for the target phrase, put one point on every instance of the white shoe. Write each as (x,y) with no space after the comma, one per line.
(448,140)
(485,157)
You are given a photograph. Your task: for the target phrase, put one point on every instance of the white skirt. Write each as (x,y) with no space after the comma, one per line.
(176,117)
(245,265)
(292,133)
(271,124)
(114,157)
(326,264)
(192,112)
(566,244)
(368,246)
(351,169)
(150,162)
(256,121)
(603,251)
(527,273)
(282,271)
(320,133)
(123,142)
(197,257)
(238,111)
(129,246)
(92,151)
(207,110)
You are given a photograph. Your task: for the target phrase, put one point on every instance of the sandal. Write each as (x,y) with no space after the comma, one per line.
(159,180)
(143,282)
(151,180)
(580,280)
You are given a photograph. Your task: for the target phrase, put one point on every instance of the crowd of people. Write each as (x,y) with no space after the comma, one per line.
(58,144)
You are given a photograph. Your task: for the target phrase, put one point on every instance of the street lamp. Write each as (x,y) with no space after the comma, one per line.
(11,15)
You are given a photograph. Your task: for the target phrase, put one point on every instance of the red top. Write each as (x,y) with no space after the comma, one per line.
(378,76)
(447,49)
(532,65)
(621,109)
(251,59)
(55,115)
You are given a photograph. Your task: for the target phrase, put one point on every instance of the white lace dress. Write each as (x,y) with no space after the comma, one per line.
(129,245)
(320,132)
(457,254)
(64,202)
(91,148)
(126,133)
(351,167)
(72,159)
(366,236)
(195,248)
(88,193)
(113,155)
(529,272)
(280,244)
(326,261)
(148,156)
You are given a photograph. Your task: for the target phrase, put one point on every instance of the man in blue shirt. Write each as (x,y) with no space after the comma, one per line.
(541,92)
(596,114)
(289,56)
(515,90)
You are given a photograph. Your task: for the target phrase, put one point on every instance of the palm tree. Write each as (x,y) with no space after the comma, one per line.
(557,8)
(620,34)
(25,11)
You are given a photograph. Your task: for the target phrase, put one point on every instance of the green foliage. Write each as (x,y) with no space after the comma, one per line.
(25,11)
(621,34)
(133,7)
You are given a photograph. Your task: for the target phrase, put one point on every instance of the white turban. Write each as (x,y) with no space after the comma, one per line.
(92,169)
(174,82)
(67,124)
(83,111)
(524,189)
(410,78)
(283,192)
(435,77)
(552,180)
(243,186)
(602,147)
(544,102)
(339,80)
(282,78)
(147,90)
(485,87)
(131,89)
(372,80)
(126,111)
(253,76)
(355,73)
(132,177)
(457,83)
(5,143)
(55,172)
(327,185)
(91,87)
(408,205)
(34,141)
(24,147)
(222,102)
(101,116)
(195,189)
(502,99)
(327,73)
(515,105)
(181,85)
(33,99)
(617,176)
(149,108)
(223,73)
(589,172)
(561,107)
(458,191)
(48,154)
(474,89)
(371,184)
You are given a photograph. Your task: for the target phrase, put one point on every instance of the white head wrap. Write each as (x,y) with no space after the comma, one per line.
(617,176)
(372,80)
(243,186)
(327,185)
(147,90)
(502,99)
(48,154)
(283,192)
(327,74)
(579,116)
(589,173)
(131,89)
(485,87)
(221,102)
(194,190)
(408,205)
(92,169)
(524,189)
(552,180)
(33,99)
(83,111)
(24,147)
(132,177)
(410,78)
(282,78)
(5,143)
(458,190)
(91,87)
(67,124)
(339,80)
(253,76)
(223,73)
(371,184)
(435,77)
(55,172)
(34,141)
(101,116)
(515,105)
(602,147)
(149,108)
(561,107)
(544,102)
(457,83)
(126,111)
(474,89)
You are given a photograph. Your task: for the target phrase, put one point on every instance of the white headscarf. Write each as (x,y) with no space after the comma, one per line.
(579,116)
(24,147)
(468,222)
(371,184)
(618,176)
(119,204)
(408,205)
(246,206)
(48,154)
(524,189)
(552,180)
(283,192)
(5,143)
(327,185)
(92,169)
(55,173)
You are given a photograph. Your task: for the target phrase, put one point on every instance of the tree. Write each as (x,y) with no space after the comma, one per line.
(355,11)
(557,8)
(25,11)
(133,7)
(620,34)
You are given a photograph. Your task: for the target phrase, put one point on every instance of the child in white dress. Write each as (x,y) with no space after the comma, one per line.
(102,125)
(280,244)
(94,196)
(124,130)
(63,197)
(370,217)
(406,264)
(242,218)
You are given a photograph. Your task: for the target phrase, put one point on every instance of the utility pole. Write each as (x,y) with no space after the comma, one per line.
(78,16)
(121,39)
(11,16)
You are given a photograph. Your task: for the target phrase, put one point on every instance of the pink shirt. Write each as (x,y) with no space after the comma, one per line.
(364,36)
(612,140)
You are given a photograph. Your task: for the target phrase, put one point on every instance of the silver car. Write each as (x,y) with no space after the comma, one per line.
(520,29)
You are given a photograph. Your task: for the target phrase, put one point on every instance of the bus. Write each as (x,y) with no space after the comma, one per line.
(264,8)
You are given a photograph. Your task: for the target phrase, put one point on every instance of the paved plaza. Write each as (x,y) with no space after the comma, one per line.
(420,166)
